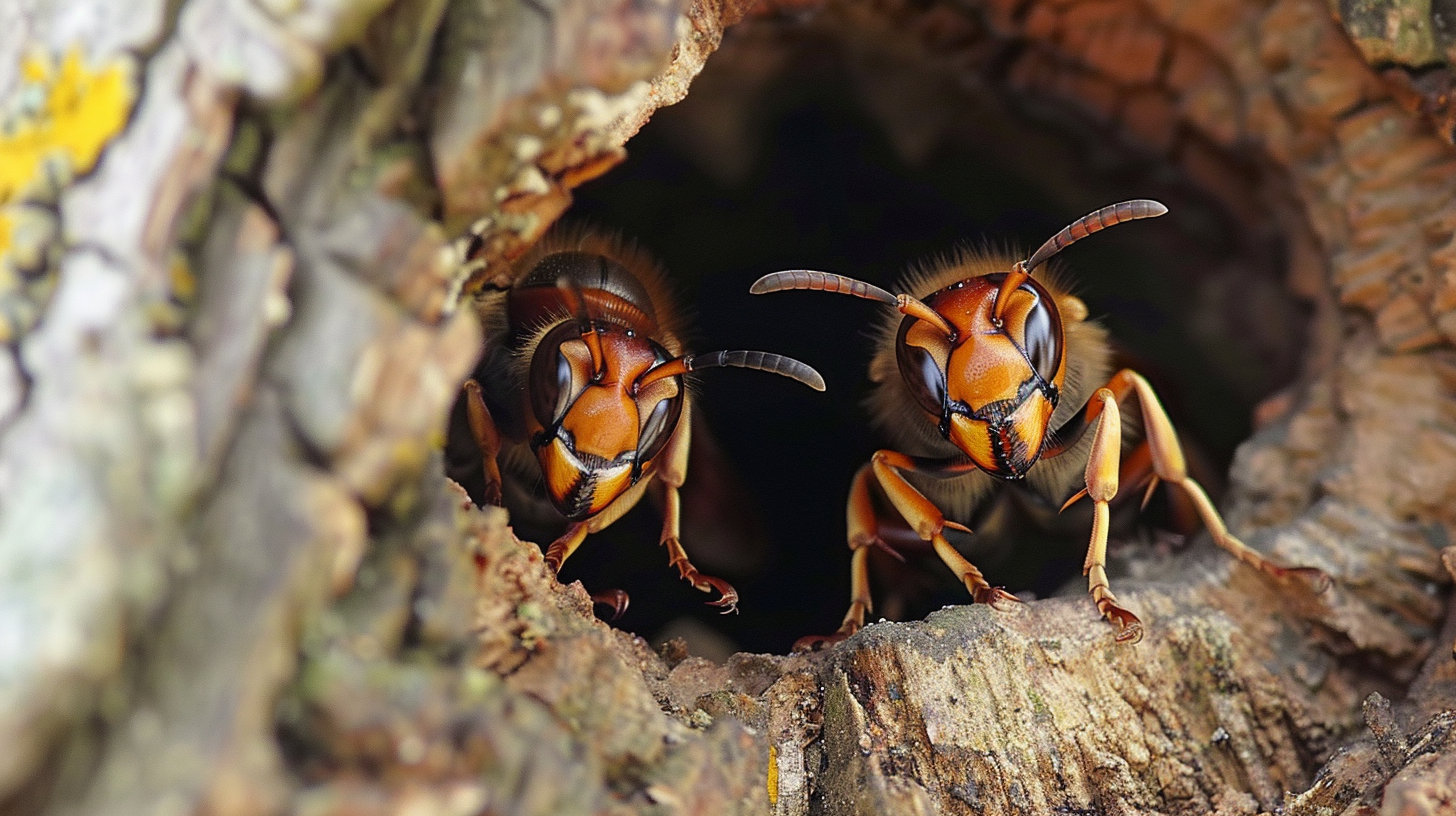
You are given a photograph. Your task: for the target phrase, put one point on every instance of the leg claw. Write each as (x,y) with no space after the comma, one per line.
(816,643)
(993,596)
(728,601)
(706,583)
(491,496)
(615,599)
(1129,628)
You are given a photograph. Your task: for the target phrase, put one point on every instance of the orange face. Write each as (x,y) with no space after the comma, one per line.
(991,387)
(595,432)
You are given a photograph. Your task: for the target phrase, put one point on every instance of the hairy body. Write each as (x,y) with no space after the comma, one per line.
(581,403)
(989,375)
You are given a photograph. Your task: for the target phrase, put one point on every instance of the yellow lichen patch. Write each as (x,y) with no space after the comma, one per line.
(184,282)
(53,127)
(58,121)
(773,775)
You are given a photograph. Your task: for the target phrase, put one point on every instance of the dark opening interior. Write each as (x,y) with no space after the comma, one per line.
(796,151)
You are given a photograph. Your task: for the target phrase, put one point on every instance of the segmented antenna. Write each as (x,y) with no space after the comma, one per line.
(819,282)
(588,332)
(756,360)
(839,284)
(1075,231)
(1095,222)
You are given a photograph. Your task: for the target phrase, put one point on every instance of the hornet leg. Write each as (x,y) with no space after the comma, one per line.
(928,522)
(1169,466)
(863,534)
(1101,479)
(562,548)
(487,438)
(674,470)
(923,517)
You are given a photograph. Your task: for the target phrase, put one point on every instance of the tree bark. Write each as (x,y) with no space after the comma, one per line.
(233,579)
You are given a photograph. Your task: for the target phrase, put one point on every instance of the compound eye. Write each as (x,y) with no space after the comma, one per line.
(659,427)
(921,369)
(1041,334)
(551,373)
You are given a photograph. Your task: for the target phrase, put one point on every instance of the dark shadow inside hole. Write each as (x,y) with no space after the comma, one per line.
(795,170)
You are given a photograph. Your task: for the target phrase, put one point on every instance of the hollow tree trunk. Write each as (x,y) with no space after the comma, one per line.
(232,579)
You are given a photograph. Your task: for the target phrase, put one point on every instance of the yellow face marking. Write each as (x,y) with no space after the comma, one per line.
(561,469)
(567,477)
(1030,421)
(611,483)
(973,437)
(1007,448)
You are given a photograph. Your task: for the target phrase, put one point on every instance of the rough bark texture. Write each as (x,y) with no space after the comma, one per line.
(232,579)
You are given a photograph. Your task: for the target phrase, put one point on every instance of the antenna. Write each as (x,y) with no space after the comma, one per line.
(1077,230)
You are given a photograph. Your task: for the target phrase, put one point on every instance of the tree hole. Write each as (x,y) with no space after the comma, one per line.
(801,148)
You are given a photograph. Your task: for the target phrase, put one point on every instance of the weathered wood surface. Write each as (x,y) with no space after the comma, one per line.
(232,580)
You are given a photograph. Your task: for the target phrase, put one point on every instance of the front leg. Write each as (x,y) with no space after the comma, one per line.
(1101,478)
(487,438)
(928,523)
(673,471)
(1168,465)
(924,518)
(863,534)
(562,548)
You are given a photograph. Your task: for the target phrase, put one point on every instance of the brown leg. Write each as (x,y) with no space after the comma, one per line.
(928,522)
(562,548)
(1169,466)
(863,533)
(1101,478)
(576,533)
(1137,474)
(674,468)
(482,427)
